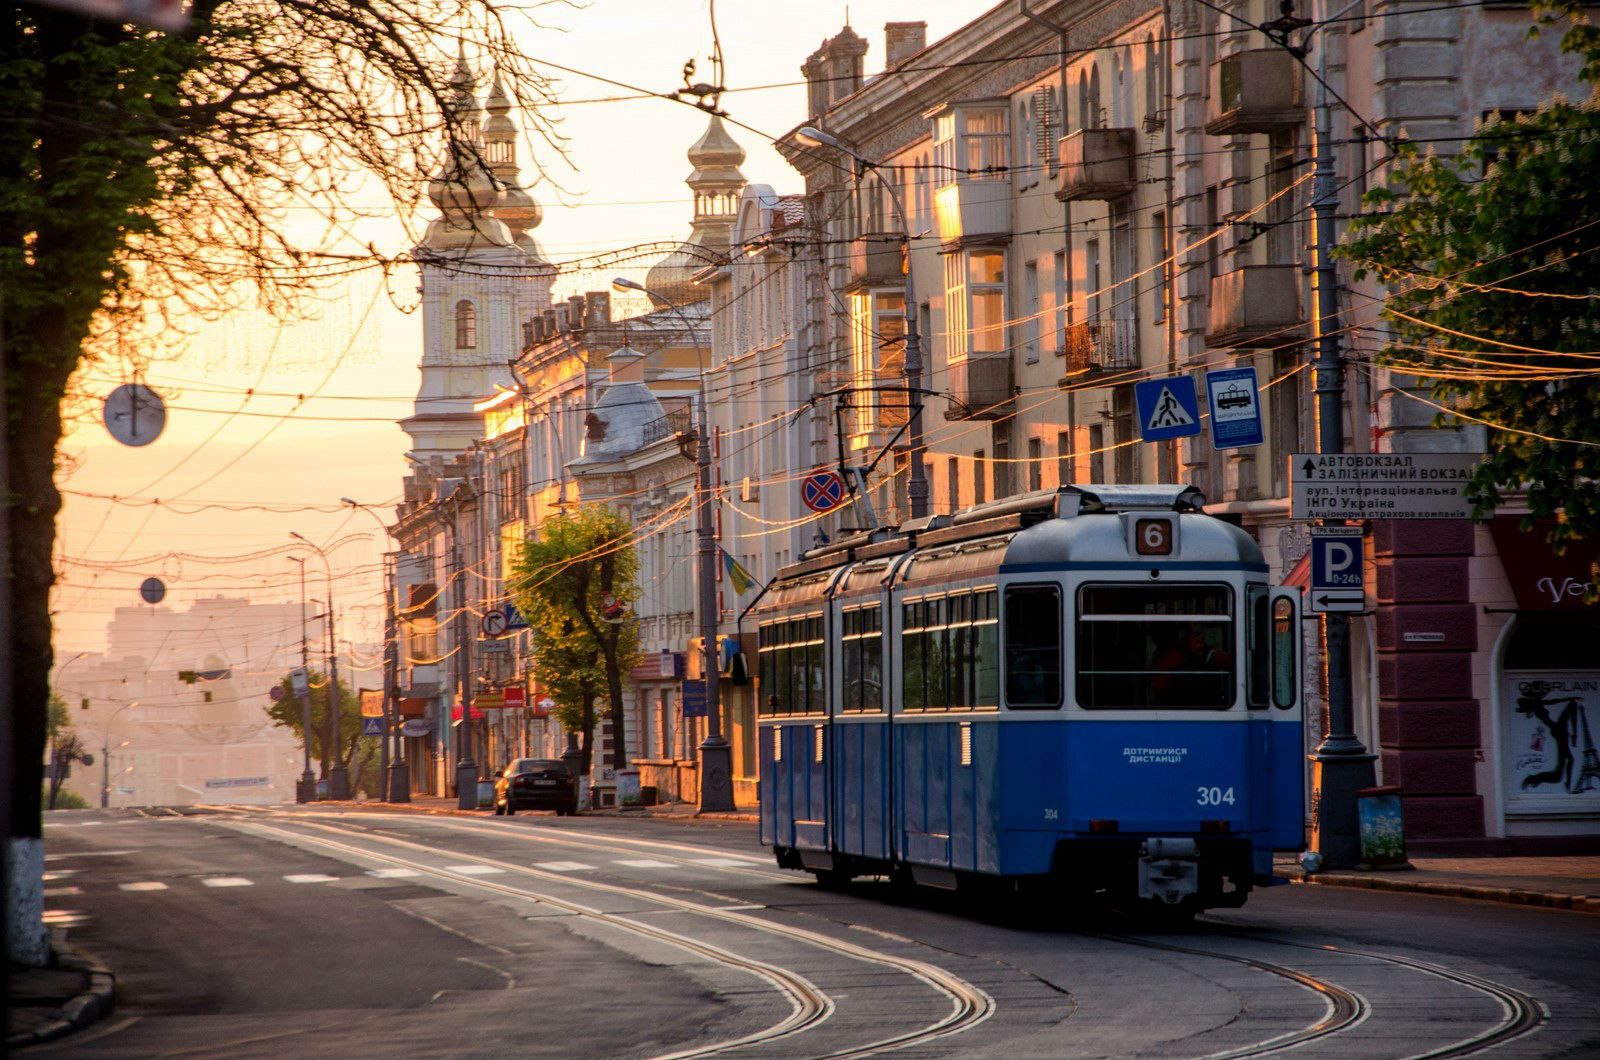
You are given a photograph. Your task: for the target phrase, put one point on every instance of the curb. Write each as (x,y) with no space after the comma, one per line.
(640,814)
(97,1002)
(1577,903)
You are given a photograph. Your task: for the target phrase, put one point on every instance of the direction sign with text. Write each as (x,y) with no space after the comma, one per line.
(1381,485)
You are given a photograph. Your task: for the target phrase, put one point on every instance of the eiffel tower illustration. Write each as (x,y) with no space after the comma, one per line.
(1589,772)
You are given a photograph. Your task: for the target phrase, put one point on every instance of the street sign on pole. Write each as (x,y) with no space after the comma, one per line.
(494,623)
(514,619)
(1381,485)
(300,681)
(1234,398)
(694,699)
(822,491)
(1336,569)
(372,726)
(1169,408)
(152,590)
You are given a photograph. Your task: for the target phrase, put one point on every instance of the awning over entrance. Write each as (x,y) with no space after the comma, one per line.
(1542,580)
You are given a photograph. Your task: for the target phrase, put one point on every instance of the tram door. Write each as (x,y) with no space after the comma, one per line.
(859,762)
(1287,763)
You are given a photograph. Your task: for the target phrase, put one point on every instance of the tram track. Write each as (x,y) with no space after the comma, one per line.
(811,1007)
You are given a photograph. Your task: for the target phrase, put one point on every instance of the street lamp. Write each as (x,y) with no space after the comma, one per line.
(397,779)
(307,791)
(105,754)
(338,778)
(716,756)
(917,484)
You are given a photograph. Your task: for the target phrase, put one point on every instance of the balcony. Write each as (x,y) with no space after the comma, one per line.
(1254,92)
(877,260)
(971,210)
(981,387)
(1096,164)
(1256,305)
(674,423)
(1102,346)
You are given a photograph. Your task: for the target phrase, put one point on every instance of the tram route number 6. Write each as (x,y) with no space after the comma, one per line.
(1152,537)
(1214,796)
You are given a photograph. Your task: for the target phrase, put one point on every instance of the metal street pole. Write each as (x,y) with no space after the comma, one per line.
(466,768)
(338,776)
(1341,764)
(396,781)
(917,482)
(105,754)
(716,754)
(308,782)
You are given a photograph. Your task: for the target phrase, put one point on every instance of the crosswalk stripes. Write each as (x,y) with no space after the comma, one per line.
(474,870)
(227,881)
(311,877)
(143,885)
(393,874)
(563,866)
(723,863)
(643,863)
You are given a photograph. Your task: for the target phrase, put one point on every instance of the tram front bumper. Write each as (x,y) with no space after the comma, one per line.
(1169,870)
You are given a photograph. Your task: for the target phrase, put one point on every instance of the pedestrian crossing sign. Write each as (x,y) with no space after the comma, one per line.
(1168,407)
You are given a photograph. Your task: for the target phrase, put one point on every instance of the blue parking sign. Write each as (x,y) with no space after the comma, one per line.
(1168,407)
(1235,401)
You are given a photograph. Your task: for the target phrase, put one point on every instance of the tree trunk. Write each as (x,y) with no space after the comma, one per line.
(586,742)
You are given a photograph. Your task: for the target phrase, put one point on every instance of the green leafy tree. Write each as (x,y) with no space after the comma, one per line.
(581,577)
(1489,256)
(66,750)
(567,663)
(359,756)
(146,175)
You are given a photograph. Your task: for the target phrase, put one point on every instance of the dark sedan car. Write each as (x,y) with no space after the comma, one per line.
(535,784)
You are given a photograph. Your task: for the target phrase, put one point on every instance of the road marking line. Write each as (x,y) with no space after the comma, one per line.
(474,870)
(61,892)
(59,874)
(89,854)
(227,881)
(310,877)
(563,866)
(146,885)
(643,863)
(393,874)
(721,863)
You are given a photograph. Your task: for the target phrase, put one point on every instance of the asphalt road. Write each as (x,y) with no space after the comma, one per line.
(310,932)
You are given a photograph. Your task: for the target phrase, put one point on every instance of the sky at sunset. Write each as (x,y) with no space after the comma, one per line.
(357,346)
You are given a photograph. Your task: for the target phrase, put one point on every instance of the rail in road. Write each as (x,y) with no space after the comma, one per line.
(1344,1007)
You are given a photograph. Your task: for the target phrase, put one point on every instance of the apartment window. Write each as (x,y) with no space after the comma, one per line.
(1061,301)
(971,143)
(1284,237)
(1093,278)
(877,355)
(1063,458)
(1153,104)
(1005,482)
(1160,251)
(975,304)
(1035,464)
(1030,306)
(1097,453)
(466,325)
(980,473)
(953,484)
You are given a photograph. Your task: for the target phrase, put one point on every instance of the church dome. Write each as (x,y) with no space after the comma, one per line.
(715,156)
(673,276)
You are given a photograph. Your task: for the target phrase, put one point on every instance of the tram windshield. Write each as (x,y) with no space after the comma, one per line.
(1155,647)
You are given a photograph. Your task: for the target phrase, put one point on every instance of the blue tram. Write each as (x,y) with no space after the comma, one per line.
(1091,689)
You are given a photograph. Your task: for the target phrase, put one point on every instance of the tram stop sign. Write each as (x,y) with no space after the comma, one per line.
(822,491)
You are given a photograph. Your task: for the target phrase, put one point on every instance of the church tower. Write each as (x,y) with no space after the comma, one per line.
(716,182)
(483,273)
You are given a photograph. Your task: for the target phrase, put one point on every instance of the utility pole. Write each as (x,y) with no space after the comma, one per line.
(466,768)
(1341,763)
(716,754)
(338,776)
(916,454)
(308,782)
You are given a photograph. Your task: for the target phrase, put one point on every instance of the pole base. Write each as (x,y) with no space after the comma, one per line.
(305,789)
(399,783)
(466,785)
(1335,826)
(716,776)
(338,784)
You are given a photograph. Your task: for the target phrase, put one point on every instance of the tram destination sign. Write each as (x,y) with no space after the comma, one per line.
(1381,485)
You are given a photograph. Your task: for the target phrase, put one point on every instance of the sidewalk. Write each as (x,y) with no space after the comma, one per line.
(46,1003)
(674,811)
(1551,882)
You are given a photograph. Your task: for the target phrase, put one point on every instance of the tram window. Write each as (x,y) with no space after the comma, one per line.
(816,691)
(936,657)
(1258,648)
(1285,654)
(1033,646)
(986,649)
(791,666)
(911,687)
(1155,646)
